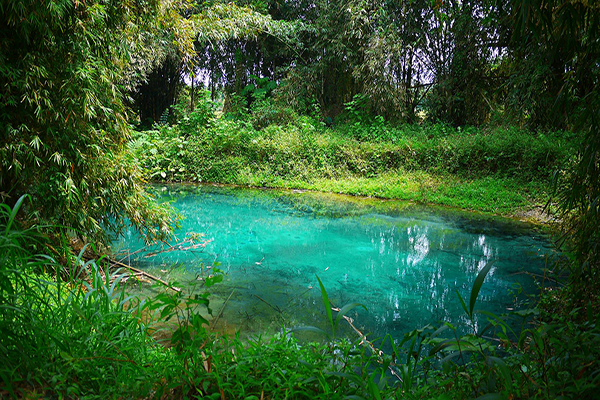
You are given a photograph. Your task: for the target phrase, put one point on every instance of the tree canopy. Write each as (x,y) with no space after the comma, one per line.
(65,69)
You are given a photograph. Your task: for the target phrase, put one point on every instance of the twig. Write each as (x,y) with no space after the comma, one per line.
(276,308)
(363,339)
(180,247)
(214,321)
(175,247)
(536,276)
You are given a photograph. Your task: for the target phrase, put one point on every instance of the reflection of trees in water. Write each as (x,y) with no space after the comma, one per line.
(423,287)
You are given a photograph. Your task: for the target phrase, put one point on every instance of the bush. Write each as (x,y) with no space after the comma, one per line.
(305,148)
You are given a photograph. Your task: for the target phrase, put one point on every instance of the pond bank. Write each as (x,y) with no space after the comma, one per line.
(499,171)
(485,196)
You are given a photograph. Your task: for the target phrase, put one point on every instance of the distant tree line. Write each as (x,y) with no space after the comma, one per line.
(463,62)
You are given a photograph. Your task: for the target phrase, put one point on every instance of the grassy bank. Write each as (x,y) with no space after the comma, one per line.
(503,170)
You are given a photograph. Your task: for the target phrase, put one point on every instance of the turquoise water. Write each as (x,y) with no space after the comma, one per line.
(404,262)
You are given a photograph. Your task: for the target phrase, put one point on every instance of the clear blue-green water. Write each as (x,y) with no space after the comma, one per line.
(403,261)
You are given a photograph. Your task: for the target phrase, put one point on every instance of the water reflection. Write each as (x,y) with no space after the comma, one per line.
(404,262)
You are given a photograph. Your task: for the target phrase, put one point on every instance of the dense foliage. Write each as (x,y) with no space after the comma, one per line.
(308,94)
(63,121)
(567,36)
(508,168)
(64,70)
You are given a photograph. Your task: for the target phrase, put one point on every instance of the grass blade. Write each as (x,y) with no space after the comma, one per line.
(14,212)
(326,303)
(477,286)
(462,302)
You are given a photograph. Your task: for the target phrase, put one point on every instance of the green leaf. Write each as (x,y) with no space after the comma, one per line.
(211,280)
(502,367)
(7,384)
(477,286)
(441,328)
(326,303)
(462,302)
(441,345)
(14,212)
(452,355)
(375,392)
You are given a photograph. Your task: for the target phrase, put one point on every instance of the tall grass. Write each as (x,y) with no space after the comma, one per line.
(72,337)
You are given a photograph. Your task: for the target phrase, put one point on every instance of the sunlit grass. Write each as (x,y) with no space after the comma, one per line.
(500,171)
(503,196)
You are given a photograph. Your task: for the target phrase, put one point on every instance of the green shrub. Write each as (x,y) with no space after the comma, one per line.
(304,154)
(508,153)
(200,118)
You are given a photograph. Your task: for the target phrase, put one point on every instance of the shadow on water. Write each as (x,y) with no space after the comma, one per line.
(403,261)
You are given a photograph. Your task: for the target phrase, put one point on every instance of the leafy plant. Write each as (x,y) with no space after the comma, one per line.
(58,335)
(333,323)
(201,117)
(64,120)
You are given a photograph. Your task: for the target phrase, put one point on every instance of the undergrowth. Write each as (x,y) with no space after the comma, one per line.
(497,170)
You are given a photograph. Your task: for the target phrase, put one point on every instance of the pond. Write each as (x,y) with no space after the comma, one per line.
(404,262)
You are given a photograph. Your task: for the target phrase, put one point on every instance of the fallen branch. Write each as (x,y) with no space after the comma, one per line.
(363,339)
(147,275)
(214,321)
(186,245)
(137,272)
(276,308)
